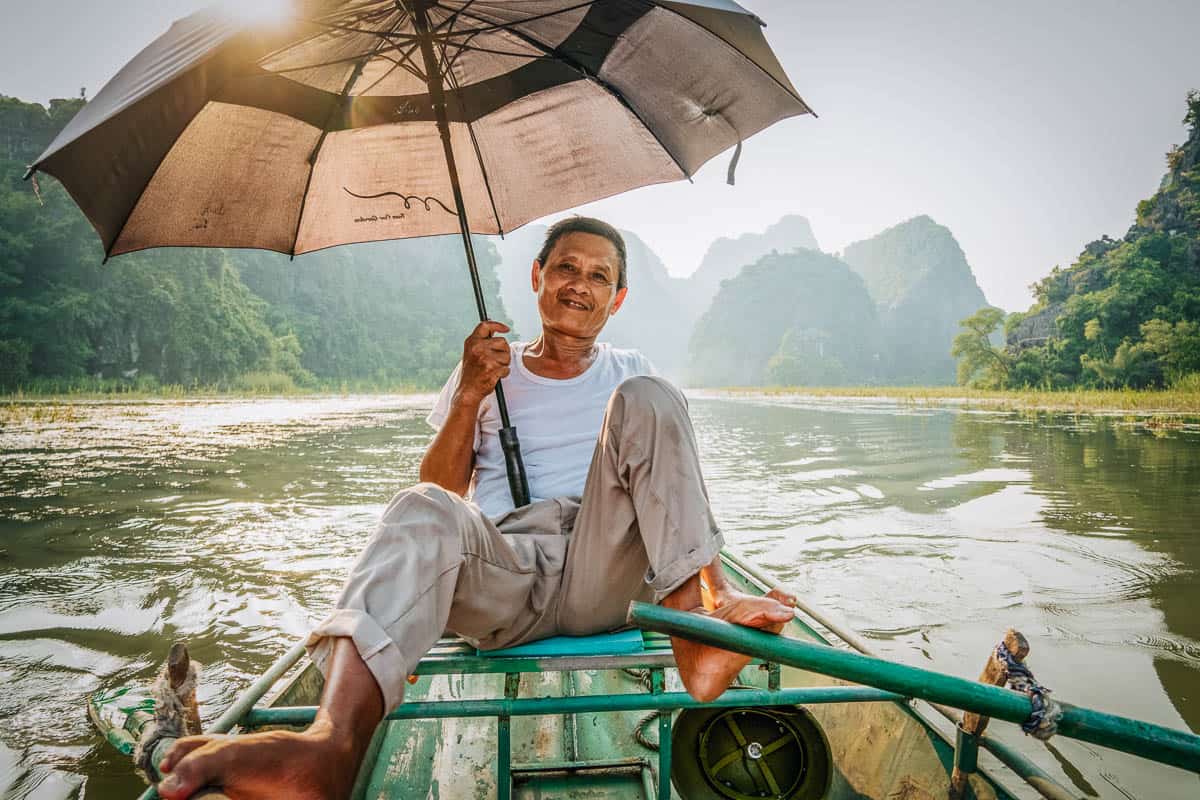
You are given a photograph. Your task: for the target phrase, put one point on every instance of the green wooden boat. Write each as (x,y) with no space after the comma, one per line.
(606,717)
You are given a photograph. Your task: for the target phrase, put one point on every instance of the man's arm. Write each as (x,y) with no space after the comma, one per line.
(451,455)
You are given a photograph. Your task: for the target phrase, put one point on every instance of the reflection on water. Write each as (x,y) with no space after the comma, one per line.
(231,523)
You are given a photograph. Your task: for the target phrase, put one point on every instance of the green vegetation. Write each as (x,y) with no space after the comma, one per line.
(381,315)
(980,363)
(1152,404)
(1126,314)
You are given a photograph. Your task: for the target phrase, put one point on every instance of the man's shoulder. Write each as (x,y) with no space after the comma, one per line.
(630,361)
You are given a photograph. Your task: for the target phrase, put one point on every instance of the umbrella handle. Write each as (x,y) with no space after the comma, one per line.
(518,483)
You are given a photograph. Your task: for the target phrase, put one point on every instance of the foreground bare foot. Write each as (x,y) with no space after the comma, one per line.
(769,612)
(707,671)
(314,765)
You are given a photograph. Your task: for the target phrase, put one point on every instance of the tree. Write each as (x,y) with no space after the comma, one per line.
(1177,346)
(981,364)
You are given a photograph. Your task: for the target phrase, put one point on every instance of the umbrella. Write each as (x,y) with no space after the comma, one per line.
(361,120)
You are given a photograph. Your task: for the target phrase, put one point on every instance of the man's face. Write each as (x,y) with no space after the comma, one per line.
(577,286)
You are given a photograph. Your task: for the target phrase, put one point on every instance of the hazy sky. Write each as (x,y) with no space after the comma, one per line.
(1027,128)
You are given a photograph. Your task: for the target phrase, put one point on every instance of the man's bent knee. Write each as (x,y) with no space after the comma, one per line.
(424,498)
(650,391)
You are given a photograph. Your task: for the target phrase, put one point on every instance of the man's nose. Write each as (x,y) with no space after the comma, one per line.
(579,285)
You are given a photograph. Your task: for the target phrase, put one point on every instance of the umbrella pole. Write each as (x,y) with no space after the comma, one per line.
(518,483)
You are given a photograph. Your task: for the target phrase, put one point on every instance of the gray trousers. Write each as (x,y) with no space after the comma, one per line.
(561,566)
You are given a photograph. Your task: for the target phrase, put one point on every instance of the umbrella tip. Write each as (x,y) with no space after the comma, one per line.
(28,172)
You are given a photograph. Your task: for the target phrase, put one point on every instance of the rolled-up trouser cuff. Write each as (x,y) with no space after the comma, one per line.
(676,573)
(377,650)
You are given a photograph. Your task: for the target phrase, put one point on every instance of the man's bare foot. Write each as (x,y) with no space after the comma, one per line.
(314,765)
(769,612)
(707,671)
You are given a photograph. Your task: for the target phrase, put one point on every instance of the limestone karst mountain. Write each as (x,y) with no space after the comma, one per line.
(914,274)
(922,287)
(802,318)
(726,257)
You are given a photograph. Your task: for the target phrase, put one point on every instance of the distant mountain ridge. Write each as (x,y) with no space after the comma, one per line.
(726,257)
(801,318)
(922,286)
(914,273)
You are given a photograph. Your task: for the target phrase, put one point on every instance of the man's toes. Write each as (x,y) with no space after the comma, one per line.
(180,749)
(780,612)
(192,773)
(782,596)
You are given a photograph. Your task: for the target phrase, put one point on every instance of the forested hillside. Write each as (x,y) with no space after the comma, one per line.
(922,286)
(726,257)
(799,319)
(382,314)
(1125,314)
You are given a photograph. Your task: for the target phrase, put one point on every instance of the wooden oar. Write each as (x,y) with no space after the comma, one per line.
(995,673)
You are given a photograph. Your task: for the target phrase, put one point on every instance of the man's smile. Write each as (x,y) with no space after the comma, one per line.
(575,304)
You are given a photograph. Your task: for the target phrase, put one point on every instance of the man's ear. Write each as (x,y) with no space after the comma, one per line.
(535,277)
(620,299)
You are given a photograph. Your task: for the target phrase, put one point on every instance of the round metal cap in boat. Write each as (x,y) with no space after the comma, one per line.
(750,753)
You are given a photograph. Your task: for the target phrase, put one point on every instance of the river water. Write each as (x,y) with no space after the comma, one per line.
(230,524)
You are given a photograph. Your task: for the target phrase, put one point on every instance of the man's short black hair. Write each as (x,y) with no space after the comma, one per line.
(585,225)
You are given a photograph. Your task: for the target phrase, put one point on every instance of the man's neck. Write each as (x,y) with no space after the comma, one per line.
(554,355)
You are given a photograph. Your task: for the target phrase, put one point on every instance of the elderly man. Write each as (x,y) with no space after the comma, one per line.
(619,513)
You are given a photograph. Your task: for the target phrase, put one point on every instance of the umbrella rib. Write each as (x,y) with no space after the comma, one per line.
(312,158)
(406,64)
(326,27)
(487,184)
(504,26)
(319,64)
(554,52)
(791,92)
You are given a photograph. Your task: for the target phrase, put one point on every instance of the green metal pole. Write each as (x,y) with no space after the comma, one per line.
(1155,742)
(512,683)
(1027,770)
(584,704)
(657,686)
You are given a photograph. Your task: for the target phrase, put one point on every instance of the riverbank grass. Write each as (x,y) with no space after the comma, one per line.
(1183,400)
(251,384)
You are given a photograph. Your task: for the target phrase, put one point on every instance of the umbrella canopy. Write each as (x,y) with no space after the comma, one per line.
(361,120)
(322,129)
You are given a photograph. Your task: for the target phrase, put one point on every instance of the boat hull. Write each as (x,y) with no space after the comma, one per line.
(876,750)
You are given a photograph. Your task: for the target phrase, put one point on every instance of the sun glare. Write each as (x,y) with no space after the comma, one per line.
(257,12)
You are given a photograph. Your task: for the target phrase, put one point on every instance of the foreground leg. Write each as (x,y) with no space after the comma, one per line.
(434,562)
(319,763)
(645,531)
(707,671)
